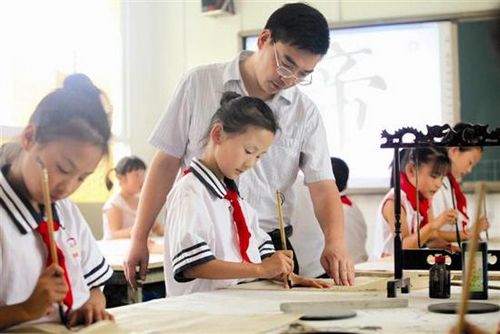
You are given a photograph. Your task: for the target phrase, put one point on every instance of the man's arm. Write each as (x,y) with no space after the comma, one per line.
(330,215)
(159,180)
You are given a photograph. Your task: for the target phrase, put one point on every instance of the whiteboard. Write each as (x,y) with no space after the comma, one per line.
(381,77)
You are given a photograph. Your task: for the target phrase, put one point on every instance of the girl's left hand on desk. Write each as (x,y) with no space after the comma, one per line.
(309,282)
(92,311)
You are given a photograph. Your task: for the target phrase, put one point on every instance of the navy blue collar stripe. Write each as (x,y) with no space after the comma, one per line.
(23,217)
(208,179)
(19,208)
(16,222)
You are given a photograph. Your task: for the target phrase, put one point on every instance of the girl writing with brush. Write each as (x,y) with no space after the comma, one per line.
(213,240)
(68,136)
(424,168)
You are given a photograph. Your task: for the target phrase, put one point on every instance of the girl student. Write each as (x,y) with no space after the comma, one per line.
(120,209)
(213,238)
(68,134)
(450,195)
(429,166)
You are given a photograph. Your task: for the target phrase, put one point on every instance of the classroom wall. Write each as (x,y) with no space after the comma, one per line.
(162,39)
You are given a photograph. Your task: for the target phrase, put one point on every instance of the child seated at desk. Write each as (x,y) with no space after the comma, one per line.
(213,239)
(433,165)
(308,240)
(67,134)
(120,209)
(118,217)
(450,195)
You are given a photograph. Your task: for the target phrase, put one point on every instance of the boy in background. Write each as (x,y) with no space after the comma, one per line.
(309,242)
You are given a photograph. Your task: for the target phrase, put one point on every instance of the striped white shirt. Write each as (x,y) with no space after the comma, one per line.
(23,254)
(308,241)
(201,228)
(300,145)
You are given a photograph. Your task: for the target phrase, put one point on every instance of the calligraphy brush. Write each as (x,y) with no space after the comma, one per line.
(279,203)
(469,262)
(50,225)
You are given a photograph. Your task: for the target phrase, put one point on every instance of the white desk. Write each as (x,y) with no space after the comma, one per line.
(258,311)
(115,252)
(236,303)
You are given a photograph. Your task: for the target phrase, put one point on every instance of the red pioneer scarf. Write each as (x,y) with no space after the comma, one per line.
(346,200)
(423,203)
(239,221)
(43,230)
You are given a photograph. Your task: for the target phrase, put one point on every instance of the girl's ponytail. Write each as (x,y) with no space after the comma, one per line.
(107,180)
(124,166)
(9,152)
(236,113)
(73,111)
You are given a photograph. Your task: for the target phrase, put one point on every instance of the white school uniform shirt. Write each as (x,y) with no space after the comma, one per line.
(383,241)
(201,228)
(308,240)
(300,145)
(23,254)
(355,232)
(441,201)
(128,214)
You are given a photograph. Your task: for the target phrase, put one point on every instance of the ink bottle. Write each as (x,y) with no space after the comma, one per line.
(439,278)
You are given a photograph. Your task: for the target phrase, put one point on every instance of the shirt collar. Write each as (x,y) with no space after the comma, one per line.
(445,184)
(232,73)
(208,178)
(18,207)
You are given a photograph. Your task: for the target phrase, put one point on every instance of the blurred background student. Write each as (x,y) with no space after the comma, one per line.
(118,215)
(309,242)
(119,211)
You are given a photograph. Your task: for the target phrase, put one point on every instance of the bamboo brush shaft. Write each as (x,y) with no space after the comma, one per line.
(280,219)
(470,260)
(48,213)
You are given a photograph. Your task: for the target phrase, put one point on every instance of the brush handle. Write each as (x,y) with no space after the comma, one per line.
(279,198)
(470,261)
(48,214)
(280,220)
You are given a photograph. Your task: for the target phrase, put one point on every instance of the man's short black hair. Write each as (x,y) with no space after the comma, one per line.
(341,172)
(301,26)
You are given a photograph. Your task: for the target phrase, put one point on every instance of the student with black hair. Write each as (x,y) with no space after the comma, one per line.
(425,167)
(450,195)
(294,39)
(119,211)
(309,242)
(214,240)
(355,225)
(67,134)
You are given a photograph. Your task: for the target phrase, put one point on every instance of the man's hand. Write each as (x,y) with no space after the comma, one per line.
(338,264)
(138,255)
